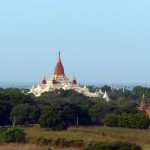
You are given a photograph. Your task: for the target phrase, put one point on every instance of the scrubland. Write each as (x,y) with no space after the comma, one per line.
(93,133)
(78,137)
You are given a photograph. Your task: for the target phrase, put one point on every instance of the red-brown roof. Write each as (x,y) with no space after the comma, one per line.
(59,69)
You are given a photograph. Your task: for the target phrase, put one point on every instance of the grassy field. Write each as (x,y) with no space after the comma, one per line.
(29,147)
(89,134)
(19,147)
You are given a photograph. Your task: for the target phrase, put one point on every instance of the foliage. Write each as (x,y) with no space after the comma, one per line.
(1,133)
(17,97)
(121,95)
(94,133)
(59,142)
(138,91)
(130,108)
(14,103)
(137,121)
(100,109)
(106,88)
(25,114)
(72,112)
(52,117)
(14,134)
(72,106)
(61,115)
(5,109)
(111,120)
(113,146)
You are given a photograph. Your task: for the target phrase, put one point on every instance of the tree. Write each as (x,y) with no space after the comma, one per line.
(111,120)
(136,121)
(25,114)
(5,109)
(72,112)
(63,114)
(52,117)
(106,88)
(130,108)
(100,109)
(16,97)
(123,120)
(141,121)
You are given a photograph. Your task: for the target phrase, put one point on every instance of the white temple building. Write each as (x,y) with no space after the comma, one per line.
(60,81)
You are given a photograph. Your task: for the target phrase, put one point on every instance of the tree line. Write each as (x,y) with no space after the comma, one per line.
(60,109)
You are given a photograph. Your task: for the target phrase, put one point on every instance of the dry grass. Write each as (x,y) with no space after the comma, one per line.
(30,147)
(88,134)
(20,147)
(140,137)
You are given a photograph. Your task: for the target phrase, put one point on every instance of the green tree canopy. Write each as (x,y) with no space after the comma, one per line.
(137,121)
(52,117)
(25,114)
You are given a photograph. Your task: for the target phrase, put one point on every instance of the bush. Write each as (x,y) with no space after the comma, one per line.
(1,130)
(136,121)
(111,120)
(52,117)
(14,134)
(59,142)
(1,133)
(113,146)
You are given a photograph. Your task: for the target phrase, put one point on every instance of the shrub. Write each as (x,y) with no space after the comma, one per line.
(113,146)
(14,134)
(52,117)
(136,121)
(71,143)
(59,142)
(2,130)
(111,120)
(1,133)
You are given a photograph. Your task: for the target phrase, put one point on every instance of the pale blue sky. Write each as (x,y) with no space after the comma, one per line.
(101,41)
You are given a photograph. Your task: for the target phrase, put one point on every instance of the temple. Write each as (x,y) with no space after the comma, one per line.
(144,106)
(60,81)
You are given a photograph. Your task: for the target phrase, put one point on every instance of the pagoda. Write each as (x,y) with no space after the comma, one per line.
(144,106)
(59,80)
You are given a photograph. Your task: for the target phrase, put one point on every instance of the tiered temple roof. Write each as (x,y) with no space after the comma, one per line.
(59,80)
(59,69)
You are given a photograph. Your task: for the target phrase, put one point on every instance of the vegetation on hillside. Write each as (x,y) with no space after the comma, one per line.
(14,134)
(60,109)
(113,146)
(136,121)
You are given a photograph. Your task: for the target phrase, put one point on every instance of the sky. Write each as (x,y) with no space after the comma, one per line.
(101,41)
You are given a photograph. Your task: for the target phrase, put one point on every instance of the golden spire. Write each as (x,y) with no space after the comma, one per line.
(143,96)
(59,69)
(74,78)
(59,60)
(143,99)
(44,78)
